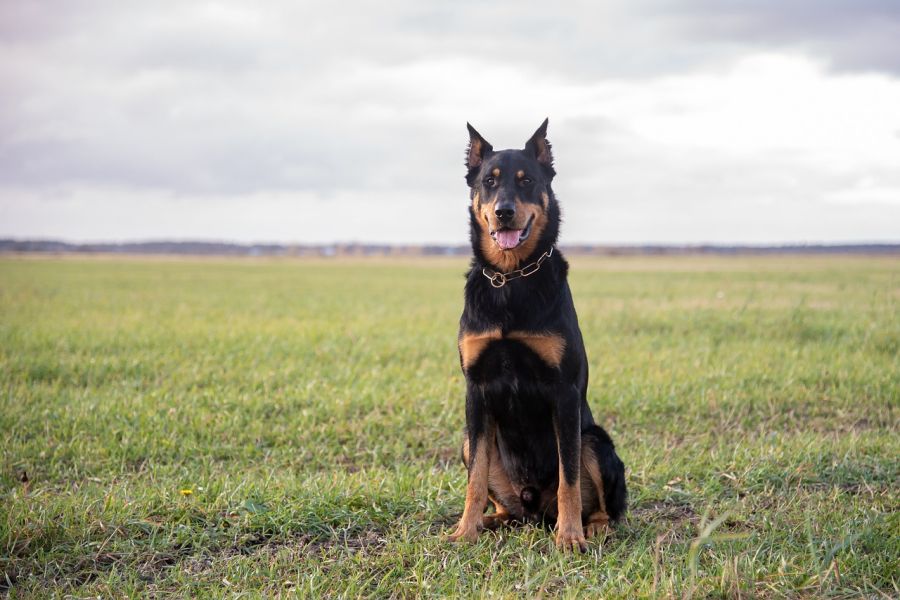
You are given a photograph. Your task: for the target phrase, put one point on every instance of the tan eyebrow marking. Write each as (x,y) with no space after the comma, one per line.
(520,174)
(496,172)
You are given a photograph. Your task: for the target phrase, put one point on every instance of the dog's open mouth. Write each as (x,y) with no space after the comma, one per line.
(508,239)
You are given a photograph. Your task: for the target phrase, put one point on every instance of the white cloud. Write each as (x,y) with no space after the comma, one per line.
(293,123)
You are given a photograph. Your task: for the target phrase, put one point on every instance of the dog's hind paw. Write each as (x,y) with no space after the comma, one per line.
(598,530)
(495,520)
(597,525)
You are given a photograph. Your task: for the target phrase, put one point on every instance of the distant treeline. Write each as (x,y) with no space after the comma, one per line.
(230,249)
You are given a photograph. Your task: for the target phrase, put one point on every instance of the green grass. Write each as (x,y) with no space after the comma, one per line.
(314,410)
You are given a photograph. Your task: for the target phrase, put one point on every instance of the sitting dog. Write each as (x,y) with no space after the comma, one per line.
(531,444)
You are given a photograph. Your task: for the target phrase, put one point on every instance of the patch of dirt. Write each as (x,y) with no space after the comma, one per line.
(301,545)
(664,511)
(348,464)
(152,566)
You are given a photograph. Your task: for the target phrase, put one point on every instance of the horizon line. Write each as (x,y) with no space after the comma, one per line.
(347,243)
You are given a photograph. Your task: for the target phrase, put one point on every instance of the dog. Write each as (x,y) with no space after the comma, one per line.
(531,445)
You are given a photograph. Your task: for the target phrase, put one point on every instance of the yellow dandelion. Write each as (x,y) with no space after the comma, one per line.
(186,492)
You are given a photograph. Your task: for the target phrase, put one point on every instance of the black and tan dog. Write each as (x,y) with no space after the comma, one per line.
(531,444)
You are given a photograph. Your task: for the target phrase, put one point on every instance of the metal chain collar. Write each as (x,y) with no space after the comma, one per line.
(498,280)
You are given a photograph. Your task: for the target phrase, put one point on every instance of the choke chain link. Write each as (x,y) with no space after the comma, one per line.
(498,280)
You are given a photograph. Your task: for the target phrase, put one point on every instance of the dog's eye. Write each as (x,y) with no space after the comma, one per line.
(489,181)
(525,181)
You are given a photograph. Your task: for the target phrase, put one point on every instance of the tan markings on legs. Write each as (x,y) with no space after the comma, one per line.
(471,345)
(549,346)
(569,534)
(472,520)
(501,492)
(593,498)
(499,517)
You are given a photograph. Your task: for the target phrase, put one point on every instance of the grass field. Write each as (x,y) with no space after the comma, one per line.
(215,428)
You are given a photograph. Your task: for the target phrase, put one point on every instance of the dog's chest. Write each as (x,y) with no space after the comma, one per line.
(502,353)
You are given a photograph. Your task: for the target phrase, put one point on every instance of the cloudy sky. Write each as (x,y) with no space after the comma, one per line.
(694,121)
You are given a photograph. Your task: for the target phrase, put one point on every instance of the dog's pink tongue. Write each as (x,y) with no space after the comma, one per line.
(509,238)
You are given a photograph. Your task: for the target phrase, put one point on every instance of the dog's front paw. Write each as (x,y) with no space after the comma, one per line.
(464,534)
(571,538)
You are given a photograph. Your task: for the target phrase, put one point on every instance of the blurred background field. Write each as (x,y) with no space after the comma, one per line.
(212,426)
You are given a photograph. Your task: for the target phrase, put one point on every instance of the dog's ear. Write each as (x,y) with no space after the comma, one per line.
(477,150)
(539,147)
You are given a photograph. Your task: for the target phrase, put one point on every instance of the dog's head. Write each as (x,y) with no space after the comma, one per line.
(513,211)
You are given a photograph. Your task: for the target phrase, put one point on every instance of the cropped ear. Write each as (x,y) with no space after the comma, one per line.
(539,147)
(477,150)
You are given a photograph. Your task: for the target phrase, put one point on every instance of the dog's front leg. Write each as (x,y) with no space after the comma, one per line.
(481,437)
(569,533)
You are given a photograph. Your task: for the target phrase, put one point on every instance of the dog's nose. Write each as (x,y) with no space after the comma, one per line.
(505,212)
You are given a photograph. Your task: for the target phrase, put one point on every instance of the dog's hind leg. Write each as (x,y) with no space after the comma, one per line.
(593,503)
(602,482)
(507,503)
